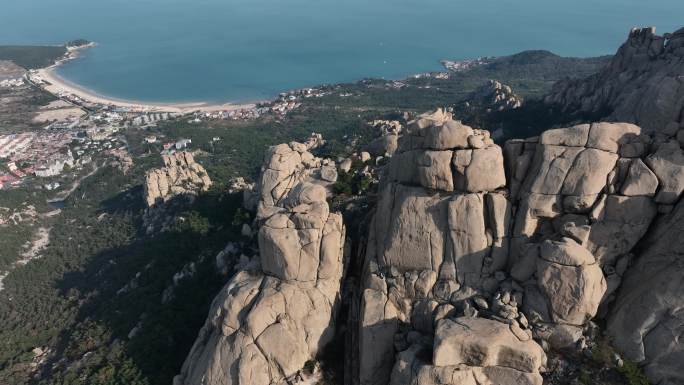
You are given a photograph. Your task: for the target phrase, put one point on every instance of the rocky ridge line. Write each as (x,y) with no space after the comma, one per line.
(643,84)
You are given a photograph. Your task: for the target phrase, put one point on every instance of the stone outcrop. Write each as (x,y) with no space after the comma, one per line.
(181,175)
(495,96)
(477,262)
(249,196)
(518,249)
(642,85)
(278,311)
(286,165)
(387,137)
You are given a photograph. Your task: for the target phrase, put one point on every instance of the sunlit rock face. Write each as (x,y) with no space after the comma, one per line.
(278,311)
(475,258)
(522,247)
(181,175)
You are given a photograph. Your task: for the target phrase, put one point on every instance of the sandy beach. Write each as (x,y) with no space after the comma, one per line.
(59,86)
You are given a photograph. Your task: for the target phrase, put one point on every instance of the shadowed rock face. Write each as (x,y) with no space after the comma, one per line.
(647,321)
(643,84)
(475,255)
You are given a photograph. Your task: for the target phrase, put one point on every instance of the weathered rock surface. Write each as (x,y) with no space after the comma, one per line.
(450,241)
(284,167)
(642,85)
(640,180)
(475,258)
(647,321)
(483,342)
(571,280)
(181,175)
(278,312)
(495,96)
(471,351)
(668,165)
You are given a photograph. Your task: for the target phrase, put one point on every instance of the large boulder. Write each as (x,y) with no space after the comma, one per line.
(668,165)
(484,342)
(471,351)
(640,180)
(571,280)
(483,172)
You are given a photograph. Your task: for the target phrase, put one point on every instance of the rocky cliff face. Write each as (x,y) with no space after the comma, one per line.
(481,262)
(278,311)
(534,258)
(181,175)
(647,321)
(644,84)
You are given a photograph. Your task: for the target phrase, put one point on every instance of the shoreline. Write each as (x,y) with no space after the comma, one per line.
(59,86)
(49,80)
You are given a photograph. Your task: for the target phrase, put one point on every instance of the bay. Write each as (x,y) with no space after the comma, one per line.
(245,50)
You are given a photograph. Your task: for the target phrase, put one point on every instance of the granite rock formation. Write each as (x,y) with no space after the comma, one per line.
(523,249)
(278,311)
(642,85)
(647,321)
(495,96)
(181,175)
(387,137)
(479,260)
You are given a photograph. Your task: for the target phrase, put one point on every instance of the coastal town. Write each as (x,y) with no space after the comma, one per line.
(80,128)
(77,131)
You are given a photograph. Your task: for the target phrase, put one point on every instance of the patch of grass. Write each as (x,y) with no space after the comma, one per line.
(633,373)
(309,367)
(603,353)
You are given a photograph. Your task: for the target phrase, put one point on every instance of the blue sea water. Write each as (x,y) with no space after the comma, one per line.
(242,50)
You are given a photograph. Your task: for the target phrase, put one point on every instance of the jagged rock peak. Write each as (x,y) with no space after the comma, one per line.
(642,85)
(278,311)
(181,175)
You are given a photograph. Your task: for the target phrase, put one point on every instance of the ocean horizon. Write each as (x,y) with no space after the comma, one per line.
(238,51)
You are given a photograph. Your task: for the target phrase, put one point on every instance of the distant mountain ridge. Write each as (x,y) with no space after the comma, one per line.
(643,84)
(543,64)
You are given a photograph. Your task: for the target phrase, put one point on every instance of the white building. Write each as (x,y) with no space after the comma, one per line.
(182,143)
(55,166)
